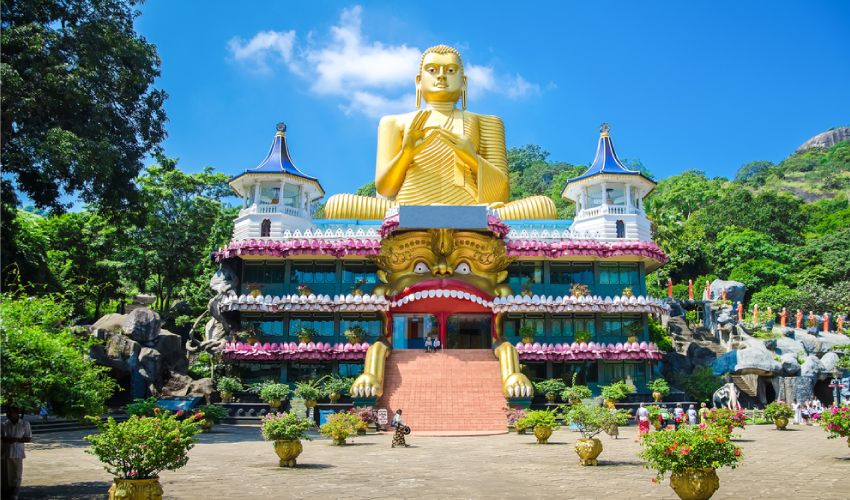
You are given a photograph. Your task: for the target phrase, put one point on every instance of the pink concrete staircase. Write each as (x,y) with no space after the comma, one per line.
(453,393)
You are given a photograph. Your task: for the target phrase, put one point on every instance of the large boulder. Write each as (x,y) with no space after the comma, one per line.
(784,345)
(675,307)
(700,356)
(820,343)
(812,367)
(747,361)
(142,325)
(790,388)
(170,347)
(110,323)
(790,365)
(735,290)
(224,280)
(828,361)
(673,363)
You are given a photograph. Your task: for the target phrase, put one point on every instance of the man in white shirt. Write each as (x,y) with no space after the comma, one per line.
(14,432)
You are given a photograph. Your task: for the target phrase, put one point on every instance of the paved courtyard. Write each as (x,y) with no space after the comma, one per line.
(234,462)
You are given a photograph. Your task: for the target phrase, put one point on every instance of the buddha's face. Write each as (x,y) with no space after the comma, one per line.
(443,259)
(441,79)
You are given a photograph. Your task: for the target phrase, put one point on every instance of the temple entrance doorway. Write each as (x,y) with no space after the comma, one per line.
(469,331)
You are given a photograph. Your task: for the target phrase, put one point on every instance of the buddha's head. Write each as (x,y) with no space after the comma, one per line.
(443,259)
(441,77)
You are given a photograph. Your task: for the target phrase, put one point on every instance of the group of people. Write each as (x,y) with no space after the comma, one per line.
(432,345)
(807,412)
(675,418)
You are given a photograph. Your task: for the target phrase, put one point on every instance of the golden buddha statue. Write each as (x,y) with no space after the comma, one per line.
(441,155)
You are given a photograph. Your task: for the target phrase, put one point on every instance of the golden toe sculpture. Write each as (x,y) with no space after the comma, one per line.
(441,155)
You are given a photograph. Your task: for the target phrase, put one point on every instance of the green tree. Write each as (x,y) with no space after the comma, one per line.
(757,274)
(685,193)
(44,364)
(776,297)
(832,251)
(754,173)
(775,214)
(79,113)
(182,212)
(702,384)
(736,245)
(367,190)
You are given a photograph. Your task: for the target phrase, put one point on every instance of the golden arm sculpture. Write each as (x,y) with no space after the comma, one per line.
(445,259)
(441,155)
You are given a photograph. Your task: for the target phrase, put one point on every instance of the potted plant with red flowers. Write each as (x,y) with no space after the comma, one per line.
(138,450)
(286,430)
(692,454)
(254,288)
(579,290)
(836,421)
(304,290)
(779,412)
(726,419)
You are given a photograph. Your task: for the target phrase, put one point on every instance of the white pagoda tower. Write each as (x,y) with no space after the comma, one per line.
(276,195)
(609,197)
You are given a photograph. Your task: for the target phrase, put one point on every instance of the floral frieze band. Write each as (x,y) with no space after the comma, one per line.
(588,352)
(293,351)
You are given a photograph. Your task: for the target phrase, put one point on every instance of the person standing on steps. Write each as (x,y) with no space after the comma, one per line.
(13,434)
(398,436)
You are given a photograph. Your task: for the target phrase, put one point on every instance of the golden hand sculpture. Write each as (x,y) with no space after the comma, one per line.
(370,383)
(441,155)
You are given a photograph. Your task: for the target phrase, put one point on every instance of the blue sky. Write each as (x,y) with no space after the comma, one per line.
(684,85)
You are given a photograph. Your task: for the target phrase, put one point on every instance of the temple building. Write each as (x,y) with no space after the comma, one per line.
(479,284)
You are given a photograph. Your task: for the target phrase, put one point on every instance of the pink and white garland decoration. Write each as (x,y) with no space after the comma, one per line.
(588,352)
(293,351)
(312,302)
(587,303)
(591,248)
(287,248)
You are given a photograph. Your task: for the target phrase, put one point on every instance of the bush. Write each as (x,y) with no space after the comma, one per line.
(44,365)
(354,334)
(689,447)
(551,386)
(814,297)
(836,421)
(272,391)
(583,337)
(212,412)
(143,407)
(592,420)
(142,447)
(616,391)
(702,384)
(514,414)
(228,384)
(367,414)
(278,426)
(659,335)
(759,273)
(725,419)
(337,384)
(340,426)
(659,385)
(776,297)
(308,390)
(778,409)
(543,418)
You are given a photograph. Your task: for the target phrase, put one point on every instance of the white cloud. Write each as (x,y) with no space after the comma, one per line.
(265,45)
(368,75)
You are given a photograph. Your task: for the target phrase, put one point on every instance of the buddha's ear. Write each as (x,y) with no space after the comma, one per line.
(418,91)
(463,91)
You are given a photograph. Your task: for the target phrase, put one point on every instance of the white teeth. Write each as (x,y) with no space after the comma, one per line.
(453,293)
(439,293)
(418,295)
(511,391)
(466,295)
(432,293)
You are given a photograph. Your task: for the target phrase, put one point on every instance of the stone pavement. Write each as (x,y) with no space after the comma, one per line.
(234,462)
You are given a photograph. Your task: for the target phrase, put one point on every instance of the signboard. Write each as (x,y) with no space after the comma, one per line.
(382,417)
(311,415)
(177,403)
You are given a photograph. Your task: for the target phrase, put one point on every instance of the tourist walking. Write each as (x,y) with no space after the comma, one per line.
(642,418)
(398,436)
(664,417)
(703,411)
(798,413)
(692,415)
(678,415)
(14,432)
(613,429)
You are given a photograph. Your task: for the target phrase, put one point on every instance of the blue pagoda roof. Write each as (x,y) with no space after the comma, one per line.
(606,162)
(278,161)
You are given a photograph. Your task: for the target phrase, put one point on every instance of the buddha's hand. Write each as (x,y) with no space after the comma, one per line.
(366,385)
(462,146)
(415,136)
(517,385)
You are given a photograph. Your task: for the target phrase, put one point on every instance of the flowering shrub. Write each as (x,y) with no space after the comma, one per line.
(526,287)
(579,290)
(726,419)
(543,418)
(836,421)
(304,290)
(142,407)
(778,409)
(366,414)
(689,447)
(277,426)
(339,426)
(514,414)
(354,334)
(254,286)
(142,447)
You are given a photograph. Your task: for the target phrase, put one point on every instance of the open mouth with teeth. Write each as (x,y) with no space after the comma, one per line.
(426,293)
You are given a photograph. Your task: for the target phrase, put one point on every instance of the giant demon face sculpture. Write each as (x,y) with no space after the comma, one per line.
(444,259)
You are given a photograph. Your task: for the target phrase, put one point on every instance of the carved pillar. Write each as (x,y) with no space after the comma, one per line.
(628,197)
(280,194)
(256,192)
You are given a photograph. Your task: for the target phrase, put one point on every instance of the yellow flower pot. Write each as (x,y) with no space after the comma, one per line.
(274,404)
(310,403)
(551,397)
(657,396)
(205,425)
(357,292)
(135,489)
(338,441)
(781,423)
(657,424)
(226,396)
(588,450)
(255,293)
(288,450)
(695,484)
(305,340)
(528,340)
(334,397)
(542,433)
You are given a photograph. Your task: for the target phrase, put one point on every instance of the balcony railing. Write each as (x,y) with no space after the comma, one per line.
(610,210)
(268,208)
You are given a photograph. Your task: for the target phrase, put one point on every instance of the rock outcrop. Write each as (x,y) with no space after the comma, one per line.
(735,290)
(142,325)
(827,139)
